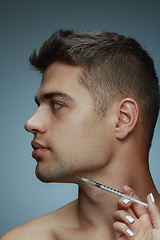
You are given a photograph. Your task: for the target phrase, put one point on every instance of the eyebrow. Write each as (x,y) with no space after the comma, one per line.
(47,96)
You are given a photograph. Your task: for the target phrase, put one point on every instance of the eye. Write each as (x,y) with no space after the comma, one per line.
(56,105)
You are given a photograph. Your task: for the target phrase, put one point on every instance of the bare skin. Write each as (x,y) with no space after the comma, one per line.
(71,140)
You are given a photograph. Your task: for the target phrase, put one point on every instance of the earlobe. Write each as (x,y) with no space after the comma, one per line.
(127,116)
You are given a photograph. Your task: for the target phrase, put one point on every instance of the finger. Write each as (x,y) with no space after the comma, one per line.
(123,216)
(121,228)
(127,190)
(137,208)
(153,211)
(124,203)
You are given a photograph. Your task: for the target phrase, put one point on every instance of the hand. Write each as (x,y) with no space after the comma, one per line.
(136,222)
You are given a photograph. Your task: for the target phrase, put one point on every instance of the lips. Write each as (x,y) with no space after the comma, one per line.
(36,145)
(39,149)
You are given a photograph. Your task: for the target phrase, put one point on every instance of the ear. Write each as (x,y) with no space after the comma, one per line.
(127,116)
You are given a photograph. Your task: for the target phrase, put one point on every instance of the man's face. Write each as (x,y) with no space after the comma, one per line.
(69,137)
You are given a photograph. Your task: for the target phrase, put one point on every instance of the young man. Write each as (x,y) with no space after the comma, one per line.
(98,103)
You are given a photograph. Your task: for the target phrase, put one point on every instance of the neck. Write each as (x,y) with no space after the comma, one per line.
(96,206)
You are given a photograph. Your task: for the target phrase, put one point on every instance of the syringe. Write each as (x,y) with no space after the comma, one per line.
(96,184)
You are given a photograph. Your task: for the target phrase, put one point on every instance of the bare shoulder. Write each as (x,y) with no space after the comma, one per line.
(34,229)
(44,227)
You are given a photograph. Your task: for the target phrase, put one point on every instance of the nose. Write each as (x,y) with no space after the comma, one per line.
(36,124)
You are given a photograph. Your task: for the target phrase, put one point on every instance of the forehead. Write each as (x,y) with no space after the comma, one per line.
(59,77)
(61,74)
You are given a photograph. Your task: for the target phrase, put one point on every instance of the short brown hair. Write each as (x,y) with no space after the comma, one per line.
(113,67)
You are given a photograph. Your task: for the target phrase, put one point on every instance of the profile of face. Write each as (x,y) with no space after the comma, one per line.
(69,137)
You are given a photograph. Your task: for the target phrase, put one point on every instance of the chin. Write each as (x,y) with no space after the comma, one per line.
(50,177)
(48,174)
(43,175)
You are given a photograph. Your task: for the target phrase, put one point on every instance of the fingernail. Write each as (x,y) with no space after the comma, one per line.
(152,198)
(130,233)
(129,219)
(126,201)
(125,186)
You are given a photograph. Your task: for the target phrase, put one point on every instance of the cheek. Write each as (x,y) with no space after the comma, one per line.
(83,141)
(75,125)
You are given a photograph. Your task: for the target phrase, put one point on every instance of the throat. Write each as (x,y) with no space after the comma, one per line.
(96,207)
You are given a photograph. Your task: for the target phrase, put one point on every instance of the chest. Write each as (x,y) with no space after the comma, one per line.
(76,234)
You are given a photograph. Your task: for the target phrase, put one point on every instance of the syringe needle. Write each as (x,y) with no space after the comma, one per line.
(99,185)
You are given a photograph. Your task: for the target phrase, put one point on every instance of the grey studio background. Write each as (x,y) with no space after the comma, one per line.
(23,26)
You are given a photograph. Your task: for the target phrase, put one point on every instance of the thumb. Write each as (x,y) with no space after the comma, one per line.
(153,212)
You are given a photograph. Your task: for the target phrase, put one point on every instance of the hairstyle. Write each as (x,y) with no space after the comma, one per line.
(113,67)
